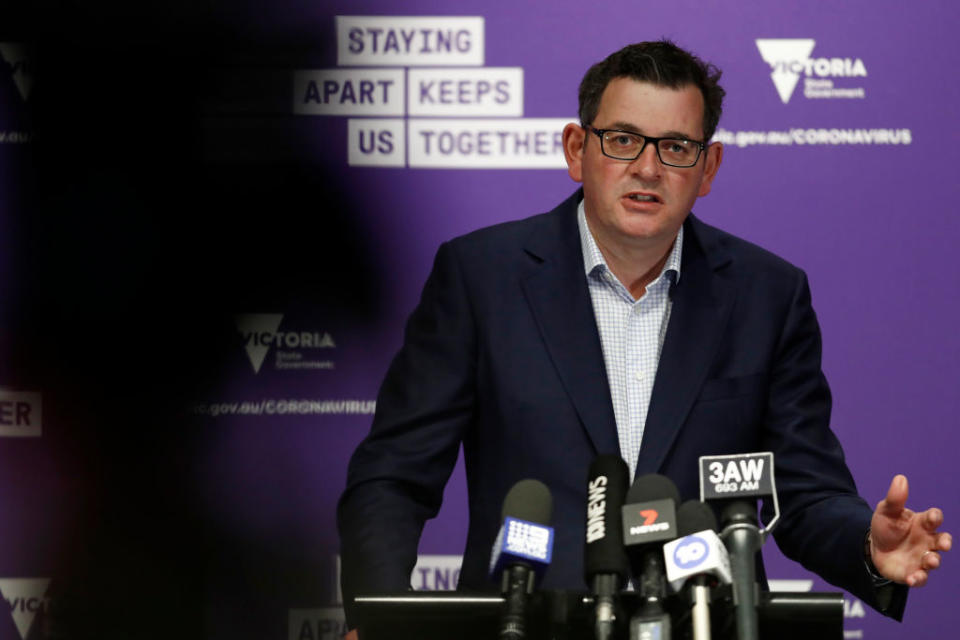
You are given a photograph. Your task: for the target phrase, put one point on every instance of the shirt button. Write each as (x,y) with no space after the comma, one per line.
(639,375)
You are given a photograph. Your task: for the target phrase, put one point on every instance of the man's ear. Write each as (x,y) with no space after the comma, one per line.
(574,137)
(714,156)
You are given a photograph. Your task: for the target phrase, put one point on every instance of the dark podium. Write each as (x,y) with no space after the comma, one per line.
(568,615)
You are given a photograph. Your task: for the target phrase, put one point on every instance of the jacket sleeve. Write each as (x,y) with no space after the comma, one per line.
(396,477)
(824,521)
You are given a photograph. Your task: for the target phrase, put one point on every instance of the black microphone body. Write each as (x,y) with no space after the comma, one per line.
(606,611)
(653,575)
(605,561)
(527,509)
(742,537)
(649,520)
(736,482)
(651,622)
(518,581)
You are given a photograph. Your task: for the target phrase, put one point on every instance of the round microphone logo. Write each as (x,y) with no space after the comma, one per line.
(691,553)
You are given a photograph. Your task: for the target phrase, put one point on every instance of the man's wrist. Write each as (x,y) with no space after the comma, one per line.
(878,579)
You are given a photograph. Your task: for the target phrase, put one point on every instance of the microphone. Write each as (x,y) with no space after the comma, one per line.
(605,562)
(698,559)
(650,519)
(738,481)
(522,551)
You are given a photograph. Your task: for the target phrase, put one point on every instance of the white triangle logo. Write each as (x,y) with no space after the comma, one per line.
(258,331)
(16,56)
(780,54)
(25,596)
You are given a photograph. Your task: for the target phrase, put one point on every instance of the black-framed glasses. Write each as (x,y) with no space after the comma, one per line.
(628,145)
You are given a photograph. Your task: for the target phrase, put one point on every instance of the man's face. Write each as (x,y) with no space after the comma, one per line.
(643,203)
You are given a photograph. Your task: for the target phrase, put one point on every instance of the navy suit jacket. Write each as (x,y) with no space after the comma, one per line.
(503,355)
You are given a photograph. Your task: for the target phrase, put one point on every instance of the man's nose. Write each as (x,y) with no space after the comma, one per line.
(647,164)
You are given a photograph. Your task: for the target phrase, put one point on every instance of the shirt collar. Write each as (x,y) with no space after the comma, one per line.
(593,258)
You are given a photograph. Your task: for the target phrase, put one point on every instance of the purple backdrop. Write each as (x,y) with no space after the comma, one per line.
(849,175)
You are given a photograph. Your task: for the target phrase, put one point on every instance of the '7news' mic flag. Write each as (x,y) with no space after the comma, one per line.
(651,521)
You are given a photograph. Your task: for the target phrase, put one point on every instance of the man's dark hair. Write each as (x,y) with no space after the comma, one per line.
(661,63)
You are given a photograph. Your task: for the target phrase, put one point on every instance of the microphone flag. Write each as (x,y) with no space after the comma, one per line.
(699,553)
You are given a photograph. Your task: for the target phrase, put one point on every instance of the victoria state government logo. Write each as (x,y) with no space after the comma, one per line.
(300,349)
(25,597)
(13,56)
(792,58)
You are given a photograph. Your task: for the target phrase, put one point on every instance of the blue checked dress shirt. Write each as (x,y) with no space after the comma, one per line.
(631,335)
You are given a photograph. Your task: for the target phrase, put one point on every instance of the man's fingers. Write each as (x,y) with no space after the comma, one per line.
(917,578)
(892,506)
(944,542)
(930,560)
(932,518)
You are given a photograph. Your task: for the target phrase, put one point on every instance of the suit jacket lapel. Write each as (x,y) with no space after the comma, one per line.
(701,309)
(556,289)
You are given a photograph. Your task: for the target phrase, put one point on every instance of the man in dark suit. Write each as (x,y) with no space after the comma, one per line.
(618,323)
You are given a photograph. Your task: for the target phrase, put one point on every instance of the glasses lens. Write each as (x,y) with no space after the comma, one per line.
(678,152)
(622,145)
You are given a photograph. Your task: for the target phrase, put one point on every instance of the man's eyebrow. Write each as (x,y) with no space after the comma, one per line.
(626,126)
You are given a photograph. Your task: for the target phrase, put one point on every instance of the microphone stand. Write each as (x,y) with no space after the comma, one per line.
(743,539)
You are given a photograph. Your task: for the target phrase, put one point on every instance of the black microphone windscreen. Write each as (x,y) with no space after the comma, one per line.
(652,486)
(606,491)
(694,516)
(529,500)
